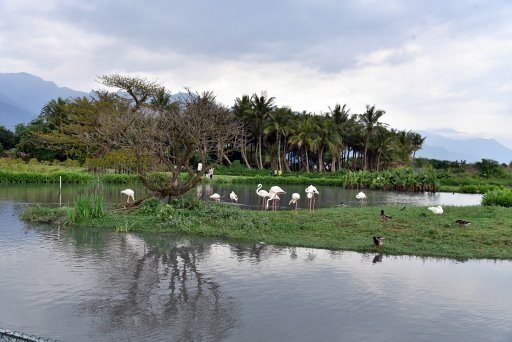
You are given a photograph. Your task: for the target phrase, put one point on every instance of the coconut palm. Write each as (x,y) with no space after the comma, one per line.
(369,120)
(278,124)
(262,106)
(243,111)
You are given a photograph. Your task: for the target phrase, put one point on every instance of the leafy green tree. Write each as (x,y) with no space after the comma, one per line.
(176,137)
(7,138)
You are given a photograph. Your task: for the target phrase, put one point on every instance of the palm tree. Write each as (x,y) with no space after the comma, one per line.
(243,111)
(369,120)
(162,100)
(302,136)
(54,113)
(278,124)
(262,106)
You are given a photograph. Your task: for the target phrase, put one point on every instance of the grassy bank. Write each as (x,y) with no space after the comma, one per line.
(413,231)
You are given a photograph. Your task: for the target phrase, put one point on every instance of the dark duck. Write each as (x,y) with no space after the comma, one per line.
(462,223)
(377,241)
(384,217)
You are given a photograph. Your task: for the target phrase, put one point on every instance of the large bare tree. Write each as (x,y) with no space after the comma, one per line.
(172,139)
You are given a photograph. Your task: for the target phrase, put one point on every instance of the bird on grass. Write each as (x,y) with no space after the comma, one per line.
(403,208)
(436,210)
(129,194)
(233,196)
(215,197)
(295,199)
(462,223)
(384,217)
(377,241)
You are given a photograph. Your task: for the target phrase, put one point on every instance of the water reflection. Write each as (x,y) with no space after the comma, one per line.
(95,285)
(157,284)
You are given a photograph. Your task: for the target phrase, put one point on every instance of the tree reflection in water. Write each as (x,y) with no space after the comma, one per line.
(155,288)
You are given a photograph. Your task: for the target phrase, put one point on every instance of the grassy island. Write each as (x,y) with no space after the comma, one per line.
(411,231)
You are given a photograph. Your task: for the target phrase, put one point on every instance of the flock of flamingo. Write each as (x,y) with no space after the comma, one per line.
(270,198)
(273,196)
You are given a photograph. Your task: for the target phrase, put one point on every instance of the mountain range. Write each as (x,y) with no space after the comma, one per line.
(441,147)
(22,96)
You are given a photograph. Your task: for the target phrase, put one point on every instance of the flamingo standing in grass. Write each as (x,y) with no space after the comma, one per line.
(311,191)
(263,194)
(295,199)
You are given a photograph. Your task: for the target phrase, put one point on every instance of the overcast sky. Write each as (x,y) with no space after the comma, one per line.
(436,64)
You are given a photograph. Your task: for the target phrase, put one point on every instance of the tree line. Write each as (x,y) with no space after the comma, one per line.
(270,136)
(136,123)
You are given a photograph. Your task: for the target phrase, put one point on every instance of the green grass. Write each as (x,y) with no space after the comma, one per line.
(414,231)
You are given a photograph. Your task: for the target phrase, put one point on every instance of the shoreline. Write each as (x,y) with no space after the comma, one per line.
(414,231)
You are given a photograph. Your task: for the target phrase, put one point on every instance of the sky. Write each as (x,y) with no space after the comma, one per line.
(435,65)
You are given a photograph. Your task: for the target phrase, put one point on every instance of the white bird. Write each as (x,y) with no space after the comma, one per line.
(129,193)
(361,195)
(312,188)
(436,210)
(273,197)
(311,191)
(263,194)
(295,199)
(215,197)
(233,196)
(278,191)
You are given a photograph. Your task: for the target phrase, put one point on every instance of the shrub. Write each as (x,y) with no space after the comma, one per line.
(502,198)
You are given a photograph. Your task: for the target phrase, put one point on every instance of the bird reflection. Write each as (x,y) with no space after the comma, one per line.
(377,258)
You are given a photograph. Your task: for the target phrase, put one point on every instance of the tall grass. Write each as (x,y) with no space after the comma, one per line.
(29,177)
(86,208)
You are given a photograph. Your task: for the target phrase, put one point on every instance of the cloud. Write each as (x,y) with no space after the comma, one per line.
(428,64)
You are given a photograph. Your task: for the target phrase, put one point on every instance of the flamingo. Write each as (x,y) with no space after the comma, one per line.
(436,210)
(311,192)
(215,197)
(233,196)
(295,199)
(273,197)
(278,191)
(263,194)
(129,193)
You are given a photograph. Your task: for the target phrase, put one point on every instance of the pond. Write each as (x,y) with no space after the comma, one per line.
(247,197)
(94,285)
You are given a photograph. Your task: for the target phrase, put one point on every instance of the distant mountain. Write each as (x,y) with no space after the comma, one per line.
(22,96)
(437,146)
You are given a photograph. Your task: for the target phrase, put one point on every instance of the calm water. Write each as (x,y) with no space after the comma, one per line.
(329,196)
(92,285)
